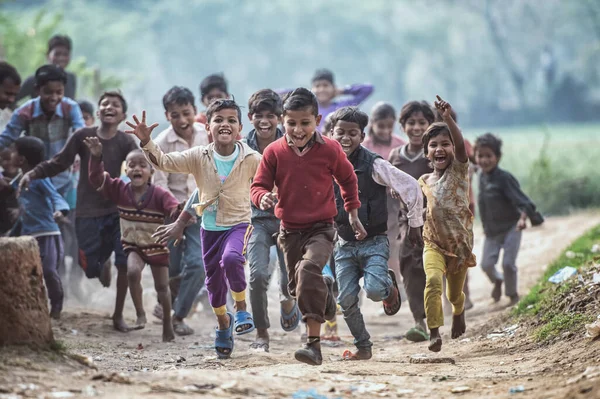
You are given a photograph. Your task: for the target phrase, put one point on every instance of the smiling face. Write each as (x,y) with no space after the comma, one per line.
(110,111)
(138,169)
(440,151)
(10,170)
(300,125)
(51,94)
(414,127)
(486,159)
(224,126)
(182,118)
(349,135)
(265,123)
(59,56)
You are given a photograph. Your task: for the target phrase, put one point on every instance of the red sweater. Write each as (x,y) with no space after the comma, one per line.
(304,183)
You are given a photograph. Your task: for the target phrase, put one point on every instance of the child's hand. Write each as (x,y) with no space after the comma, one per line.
(95,146)
(444,108)
(168,232)
(268,201)
(521,224)
(415,236)
(394,194)
(141,130)
(359,230)
(59,217)
(24,182)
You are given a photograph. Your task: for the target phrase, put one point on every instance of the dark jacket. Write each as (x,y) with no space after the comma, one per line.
(373,198)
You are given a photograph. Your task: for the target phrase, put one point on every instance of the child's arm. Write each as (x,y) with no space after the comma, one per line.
(408,189)
(13,130)
(261,190)
(521,201)
(174,231)
(457,137)
(110,187)
(170,205)
(357,92)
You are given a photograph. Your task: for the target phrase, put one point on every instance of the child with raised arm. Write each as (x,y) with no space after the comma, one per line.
(369,258)
(223,171)
(302,165)
(142,208)
(448,229)
(504,209)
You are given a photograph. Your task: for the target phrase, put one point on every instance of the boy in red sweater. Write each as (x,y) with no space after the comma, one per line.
(302,164)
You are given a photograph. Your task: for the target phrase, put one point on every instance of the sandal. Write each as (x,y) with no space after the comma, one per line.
(182,329)
(331,331)
(244,323)
(391,309)
(260,344)
(415,334)
(289,321)
(224,340)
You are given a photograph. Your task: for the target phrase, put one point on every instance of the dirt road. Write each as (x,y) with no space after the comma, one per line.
(485,365)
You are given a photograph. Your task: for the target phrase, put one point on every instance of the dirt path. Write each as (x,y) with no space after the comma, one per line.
(488,366)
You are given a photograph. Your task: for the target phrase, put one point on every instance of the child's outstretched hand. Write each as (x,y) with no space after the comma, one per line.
(174,231)
(268,201)
(95,146)
(140,129)
(444,108)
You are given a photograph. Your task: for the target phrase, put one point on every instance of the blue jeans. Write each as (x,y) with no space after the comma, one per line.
(261,269)
(186,260)
(356,259)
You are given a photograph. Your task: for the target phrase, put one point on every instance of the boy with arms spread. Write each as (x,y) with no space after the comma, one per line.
(302,165)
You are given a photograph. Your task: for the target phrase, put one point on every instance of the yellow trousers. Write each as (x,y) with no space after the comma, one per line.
(434,263)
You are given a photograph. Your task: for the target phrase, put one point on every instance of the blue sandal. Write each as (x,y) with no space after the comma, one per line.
(224,340)
(244,323)
(288,319)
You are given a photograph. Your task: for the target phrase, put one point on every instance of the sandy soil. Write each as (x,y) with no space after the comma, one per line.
(138,364)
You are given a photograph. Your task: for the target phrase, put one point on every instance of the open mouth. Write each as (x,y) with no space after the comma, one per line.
(265,130)
(346,147)
(136,176)
(440,159)
(226,132)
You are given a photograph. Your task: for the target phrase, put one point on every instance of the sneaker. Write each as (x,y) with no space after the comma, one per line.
(309,354)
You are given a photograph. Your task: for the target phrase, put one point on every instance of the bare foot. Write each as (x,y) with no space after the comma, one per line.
(168,334)
(120,325)
(105,274)
(435,340)
(141,321)
(459,326)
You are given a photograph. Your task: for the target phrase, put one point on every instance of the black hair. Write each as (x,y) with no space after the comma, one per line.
(299,99)
(380,111)
(265,100)
(350,114)
(221,104)
(490,141)
(327,125)
(434,130)
(8,71)
(412,107)
(323,74)
(60,41)
(86,106)
(216,81)
(178,95)
(32,149)
(49,73)
(114,93)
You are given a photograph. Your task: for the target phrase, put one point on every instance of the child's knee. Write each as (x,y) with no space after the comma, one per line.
(347,301)
(162,288)
(433,283)
(134,274)
(232,259)
(376,292)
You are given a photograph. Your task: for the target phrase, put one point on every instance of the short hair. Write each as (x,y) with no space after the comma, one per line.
(327,125)
(135,151)
(265,100)
(60,41)
(350,114)
(382,110)
(434,130)
(178,95)
(323,74)
(221,104)
(8,71)
(114,93)
(32,149)
(215,81)
(412,107)
(86,106)
(49,73)
(300,98)
(490,141)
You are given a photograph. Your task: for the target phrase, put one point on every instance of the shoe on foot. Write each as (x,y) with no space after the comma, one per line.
(309,354)
(360,354)
(497,291)
(514,299)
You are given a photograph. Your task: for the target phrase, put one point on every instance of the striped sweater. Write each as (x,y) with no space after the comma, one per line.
(139,220)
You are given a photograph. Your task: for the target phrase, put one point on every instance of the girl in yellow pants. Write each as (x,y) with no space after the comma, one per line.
(448,229)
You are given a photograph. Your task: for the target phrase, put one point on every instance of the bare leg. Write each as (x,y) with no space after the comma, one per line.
(161,284)
(118,321)
(135,266)
(223,321)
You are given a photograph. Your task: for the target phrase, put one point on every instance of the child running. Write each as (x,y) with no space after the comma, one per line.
(504,209)
(415,118)
(223,171)
(448,229)
(368,258)
(142,208)
(301,165)
(41,206)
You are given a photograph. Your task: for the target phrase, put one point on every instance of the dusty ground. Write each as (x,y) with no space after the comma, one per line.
(488,366)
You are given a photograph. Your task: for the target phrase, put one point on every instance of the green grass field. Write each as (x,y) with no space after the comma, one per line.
(553,163)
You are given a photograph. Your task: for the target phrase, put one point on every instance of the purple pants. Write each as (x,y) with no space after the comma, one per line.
(52,254)
(223,254)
